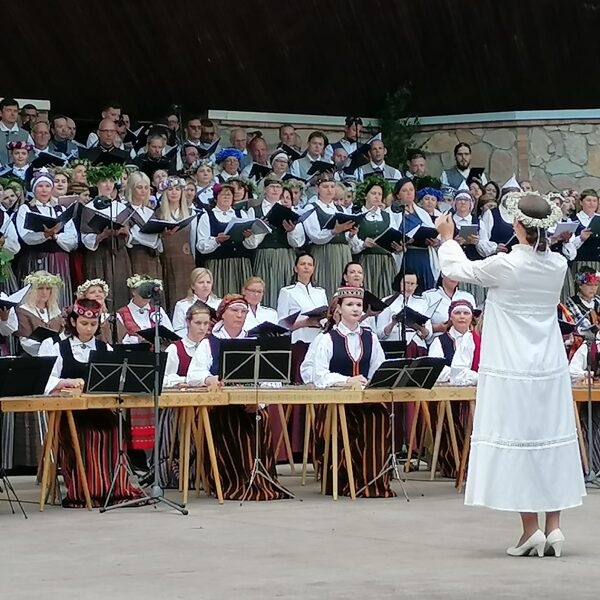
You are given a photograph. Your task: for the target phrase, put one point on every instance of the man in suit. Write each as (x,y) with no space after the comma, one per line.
(9,129)
(461,172)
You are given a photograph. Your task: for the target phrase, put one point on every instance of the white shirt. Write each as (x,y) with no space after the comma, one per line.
(578,367)
(202,360)
(172,379)
(112,212)
(206,243)
(8,327)
(141,316)
(385,318)
(348,146)
(66,239)
(585,220)
(468,220)
(465,173)
(205,195)
(303,298)
(150,240)
(371,215)
(14,129)
(439,302)
(323,352)
(486,224)
(263,315)
(32,347)
(11,239)
(308,364)
(295,238)
(316,235)
(81,353)
(181,308)
(459,372)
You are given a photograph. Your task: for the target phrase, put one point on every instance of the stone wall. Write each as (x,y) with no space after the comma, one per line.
(554,155)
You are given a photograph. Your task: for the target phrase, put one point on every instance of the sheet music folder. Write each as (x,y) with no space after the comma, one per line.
(408,373)
(123,372)
(25,376)
(255,360)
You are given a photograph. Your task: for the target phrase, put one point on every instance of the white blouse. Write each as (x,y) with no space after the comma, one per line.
(66,239)
(295,238)
(137,238)
(303,298)
(183,305)
(439,302)
(263,315)
(323,352)
(316,235)
(9,232)
(385,318)
(90,240)
(172,379)
(459,372)
(142,318)
(206,243)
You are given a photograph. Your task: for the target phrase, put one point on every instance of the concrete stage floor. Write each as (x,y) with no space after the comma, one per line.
(430,548)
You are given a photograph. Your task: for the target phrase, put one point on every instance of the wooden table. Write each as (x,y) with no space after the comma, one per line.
(194,419)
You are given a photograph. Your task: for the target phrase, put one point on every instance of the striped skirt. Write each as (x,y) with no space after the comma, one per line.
(370,445)
(380,272)
(330,260)
(275,266)
(99,441)
(229,274)
(233,430)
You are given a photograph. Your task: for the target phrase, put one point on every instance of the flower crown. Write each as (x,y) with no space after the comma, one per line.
(586,278)
(170,183)
(512,200)
(37,280)
(227,153)
(137,280)
(364,188)
(76,162)
(86,285)
(88,313)
(106,172)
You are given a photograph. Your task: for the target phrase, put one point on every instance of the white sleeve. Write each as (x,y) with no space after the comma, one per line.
(486,247)
(67,238)
(489,272)
(328,153)
(322,376)
(171,378)
(377,356)
(578,367)
(444,179)
(383,320)
(8,327)
(308,364)
(355,243)
(568,249)
(436,351)
(205,243)
(577,242)
(11,239)
(283,304)
(49,348)
(315,234)
(92,139)
(294,169)
(31,238)
(201,363)
(460,369)
(179,326)
(150,240)
(90,241)
(164,320)
(297,237)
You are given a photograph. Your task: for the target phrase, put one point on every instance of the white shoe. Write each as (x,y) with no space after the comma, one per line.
(554,543)
(536,542)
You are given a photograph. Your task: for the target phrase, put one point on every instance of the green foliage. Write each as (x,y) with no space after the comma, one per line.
(397,127)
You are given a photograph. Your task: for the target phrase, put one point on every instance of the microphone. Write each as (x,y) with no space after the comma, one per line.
(397,207)
(101,202)
(148,289)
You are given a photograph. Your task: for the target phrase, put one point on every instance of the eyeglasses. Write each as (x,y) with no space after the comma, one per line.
(107,130)
(255,291)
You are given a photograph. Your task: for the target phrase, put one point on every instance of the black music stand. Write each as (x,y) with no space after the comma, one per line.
(26,376)
(393,349)
(419,373)
(133,373)
(254,361)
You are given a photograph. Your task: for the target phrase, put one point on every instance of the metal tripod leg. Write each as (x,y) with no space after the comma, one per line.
(11,490)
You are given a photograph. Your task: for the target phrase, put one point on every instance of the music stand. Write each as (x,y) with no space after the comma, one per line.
(26,376)
(256,360)
(394,349)
(419,373)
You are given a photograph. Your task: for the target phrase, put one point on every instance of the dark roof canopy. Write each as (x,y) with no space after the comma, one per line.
(303,56)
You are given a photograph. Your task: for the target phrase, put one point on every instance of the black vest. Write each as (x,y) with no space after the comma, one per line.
(228,249)
(72,368)
(341,362)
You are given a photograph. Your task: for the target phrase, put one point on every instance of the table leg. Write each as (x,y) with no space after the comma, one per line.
(452,428)
(413,435)
(327,436)
(460,477)
(334,450)
(46,456)
(286,438)
(182,424)
(306,443)
(211,452)
(347,450)
(54,467)
(438,437)
(79,459)
(173,440)
(582,448)
(189,411)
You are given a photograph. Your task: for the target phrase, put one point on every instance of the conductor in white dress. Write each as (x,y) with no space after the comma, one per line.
(524,449)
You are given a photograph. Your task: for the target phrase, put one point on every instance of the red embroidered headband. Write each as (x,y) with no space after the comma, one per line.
(458,305)
(88,313)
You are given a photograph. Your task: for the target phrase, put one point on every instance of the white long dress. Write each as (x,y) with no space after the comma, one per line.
(524,450)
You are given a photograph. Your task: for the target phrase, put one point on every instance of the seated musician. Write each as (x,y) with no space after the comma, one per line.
(179,357)
(233,426)
(97,430)
(347,355)
(459,346)
(98,290)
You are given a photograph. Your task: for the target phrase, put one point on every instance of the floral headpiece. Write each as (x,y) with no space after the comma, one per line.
(62,171)
(19,145)
(219,187)
(137,280)
(106,172)
(512,200)
(429,191)
(41,176)
(42,279)
(363,189)
(204,162)
(248,184)
(88,313)
(587,278)
(170,183)
(10,181)
(76,162)
(86,285)
(227,153)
